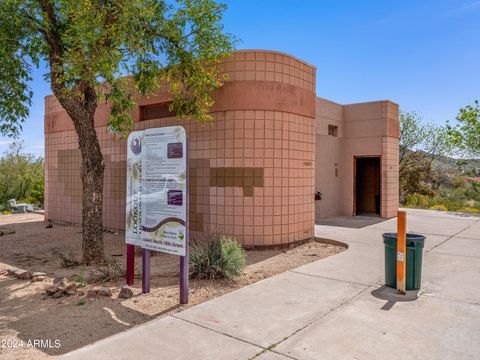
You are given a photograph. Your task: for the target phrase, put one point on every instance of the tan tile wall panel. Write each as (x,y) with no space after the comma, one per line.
(280,210)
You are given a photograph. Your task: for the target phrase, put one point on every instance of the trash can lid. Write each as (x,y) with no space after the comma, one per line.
(416,239)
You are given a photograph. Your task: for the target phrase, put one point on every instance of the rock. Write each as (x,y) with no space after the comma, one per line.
(125,292)
(52,289)
(59,279)
(21,274)
(10,271)
(99,291)
(38,276)
(70,292)
(49,226)
(38,273)
(104,291)
(44,297)
(71,287)
(58,294)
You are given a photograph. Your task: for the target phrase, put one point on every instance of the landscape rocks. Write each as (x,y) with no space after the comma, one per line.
(38,276)
(61,287)
(99,291)
(58,294)
(52,289)
(20,274)
(125,292)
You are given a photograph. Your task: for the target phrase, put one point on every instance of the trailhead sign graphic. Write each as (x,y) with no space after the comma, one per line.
(156,207)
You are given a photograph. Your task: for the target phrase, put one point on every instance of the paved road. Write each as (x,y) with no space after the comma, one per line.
(335,308)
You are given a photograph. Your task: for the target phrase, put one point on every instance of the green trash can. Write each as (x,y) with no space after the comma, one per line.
(414,257)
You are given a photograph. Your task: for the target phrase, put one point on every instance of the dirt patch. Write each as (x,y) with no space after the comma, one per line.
(75,320)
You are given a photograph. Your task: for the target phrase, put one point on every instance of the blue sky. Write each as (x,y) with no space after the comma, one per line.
(424,55)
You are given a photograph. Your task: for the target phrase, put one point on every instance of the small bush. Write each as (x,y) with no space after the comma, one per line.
(81,280)
(81,302)
(418,201)
(66,260)
(111,270)
(6,212)
(439,207)
(216,256)
(470,210)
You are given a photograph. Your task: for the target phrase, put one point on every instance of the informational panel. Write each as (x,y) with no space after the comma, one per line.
(164,180)
(133,230)
(157,190)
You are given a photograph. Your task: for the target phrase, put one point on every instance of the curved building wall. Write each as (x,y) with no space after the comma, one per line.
(252,170)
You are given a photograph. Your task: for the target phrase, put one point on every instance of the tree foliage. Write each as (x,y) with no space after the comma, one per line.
(420,145)
(466,133)
(21,176)
(114,48)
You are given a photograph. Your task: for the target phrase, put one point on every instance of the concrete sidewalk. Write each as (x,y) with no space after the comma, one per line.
(335,308)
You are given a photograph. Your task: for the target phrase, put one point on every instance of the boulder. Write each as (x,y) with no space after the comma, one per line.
(38,276)
(71,287)
(38,273)
(125,292)
(20,274)
(99,291)
(61,282)
(52,289)
(58,294)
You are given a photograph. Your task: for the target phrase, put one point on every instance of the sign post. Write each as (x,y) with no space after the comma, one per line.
(157,199)
(130,276)
(146,271)
(401,251)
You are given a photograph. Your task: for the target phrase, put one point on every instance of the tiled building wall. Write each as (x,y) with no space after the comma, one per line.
(251,170)
(365,129)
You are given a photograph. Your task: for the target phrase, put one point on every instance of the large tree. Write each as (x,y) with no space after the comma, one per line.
(466,133)
(112,50)
(420,144)
(466,136)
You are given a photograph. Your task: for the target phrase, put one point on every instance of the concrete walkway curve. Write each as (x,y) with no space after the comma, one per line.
(334,308)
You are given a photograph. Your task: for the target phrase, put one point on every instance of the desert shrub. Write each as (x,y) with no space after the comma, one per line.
(470,210)
(6,212)
(418,201)
(111,270)
(439,207)
(66,260)
(21,176)
(216,256)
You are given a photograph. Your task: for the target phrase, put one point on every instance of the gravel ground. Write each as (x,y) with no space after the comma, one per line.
(75,320)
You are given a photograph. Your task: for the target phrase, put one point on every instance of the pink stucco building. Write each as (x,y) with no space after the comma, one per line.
(255,169)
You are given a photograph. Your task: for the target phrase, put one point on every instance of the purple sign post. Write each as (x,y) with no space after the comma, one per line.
(146,271)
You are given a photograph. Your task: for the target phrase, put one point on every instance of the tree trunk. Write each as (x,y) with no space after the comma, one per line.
(91,173)
(92,181)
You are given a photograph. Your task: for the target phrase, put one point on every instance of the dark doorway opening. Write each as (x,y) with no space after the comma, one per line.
(367,186)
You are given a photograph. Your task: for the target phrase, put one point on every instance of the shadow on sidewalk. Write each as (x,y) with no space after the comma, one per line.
(354,222)
(392,296)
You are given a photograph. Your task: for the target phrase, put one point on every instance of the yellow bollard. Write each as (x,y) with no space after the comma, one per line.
(401,250)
